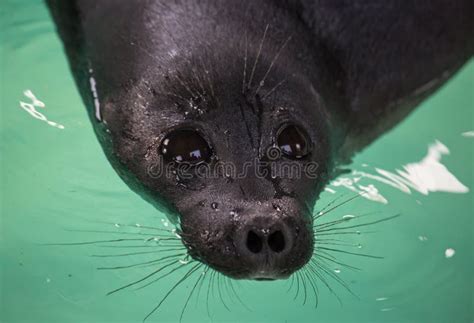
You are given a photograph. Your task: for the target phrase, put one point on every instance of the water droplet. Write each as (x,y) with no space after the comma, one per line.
(214,205)
(448,253)
(48,280)
(137,225)
(359,246)
(117,225)
(348,217)
(184,261)
(337,270)
(422,238)
(381,299)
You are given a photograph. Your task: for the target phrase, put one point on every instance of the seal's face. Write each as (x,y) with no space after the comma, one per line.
(242,167)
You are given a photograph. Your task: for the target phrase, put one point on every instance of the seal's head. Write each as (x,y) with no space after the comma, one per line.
(242,167)
(232,136)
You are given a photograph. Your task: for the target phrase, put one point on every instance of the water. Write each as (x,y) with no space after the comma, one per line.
(55,178)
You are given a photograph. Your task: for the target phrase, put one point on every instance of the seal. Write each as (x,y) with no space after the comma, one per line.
(233,115)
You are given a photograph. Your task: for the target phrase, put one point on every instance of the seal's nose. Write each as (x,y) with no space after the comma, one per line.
(265,245)
(259,242)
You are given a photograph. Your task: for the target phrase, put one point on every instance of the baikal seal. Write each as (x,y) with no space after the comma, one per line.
(233,115)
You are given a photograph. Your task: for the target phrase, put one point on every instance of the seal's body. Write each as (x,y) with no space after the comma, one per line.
(259,86)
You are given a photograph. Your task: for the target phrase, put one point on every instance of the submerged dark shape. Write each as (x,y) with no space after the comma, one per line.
(299,85)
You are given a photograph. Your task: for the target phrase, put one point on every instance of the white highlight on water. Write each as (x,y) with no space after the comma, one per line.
(427,175)
(449,253)
(468,134)
(31,109)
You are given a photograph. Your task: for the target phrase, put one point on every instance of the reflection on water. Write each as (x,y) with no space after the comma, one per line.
(30,107)
(425,176)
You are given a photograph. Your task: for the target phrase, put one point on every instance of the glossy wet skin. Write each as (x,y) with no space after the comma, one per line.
(238,78)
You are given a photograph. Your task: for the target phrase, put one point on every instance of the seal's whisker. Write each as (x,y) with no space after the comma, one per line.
(164,275)
(142,279)
(188,89)
(350,253)
(210,287)
(208,79)
(219,278)
(321,213)
(292,281)
(245,63)
(315,271)
(136,225)
(261,83)
(313,286)
(90,242)
(331,203)
(316,240)
(227,288)
(273,89)
(153,262)
(138,253)
(202,283)
(249,85)
(175,95)
(303,281)
(161,245)
(362,225)
(332,233)
(344,219)
(352,245)
(297,286)
(239,299)
(119,233)
(327,254)
(200,276)
(337,262)
(179,282)
(331,274)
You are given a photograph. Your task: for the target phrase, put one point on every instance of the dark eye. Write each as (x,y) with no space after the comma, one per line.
(293,142)
(185,145)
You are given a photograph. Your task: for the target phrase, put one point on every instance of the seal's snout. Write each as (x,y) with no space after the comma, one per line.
(267,245)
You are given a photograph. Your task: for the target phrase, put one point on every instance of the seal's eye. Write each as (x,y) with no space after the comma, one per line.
(185,145)
(292,141)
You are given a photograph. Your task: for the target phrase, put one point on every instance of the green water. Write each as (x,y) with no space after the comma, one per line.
(54,180)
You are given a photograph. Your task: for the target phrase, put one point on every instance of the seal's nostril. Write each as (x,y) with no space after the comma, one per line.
(276,241)
(254,242)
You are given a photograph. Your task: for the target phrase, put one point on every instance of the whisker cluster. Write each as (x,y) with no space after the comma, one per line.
(169,256)
(168,252)
(328,244)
